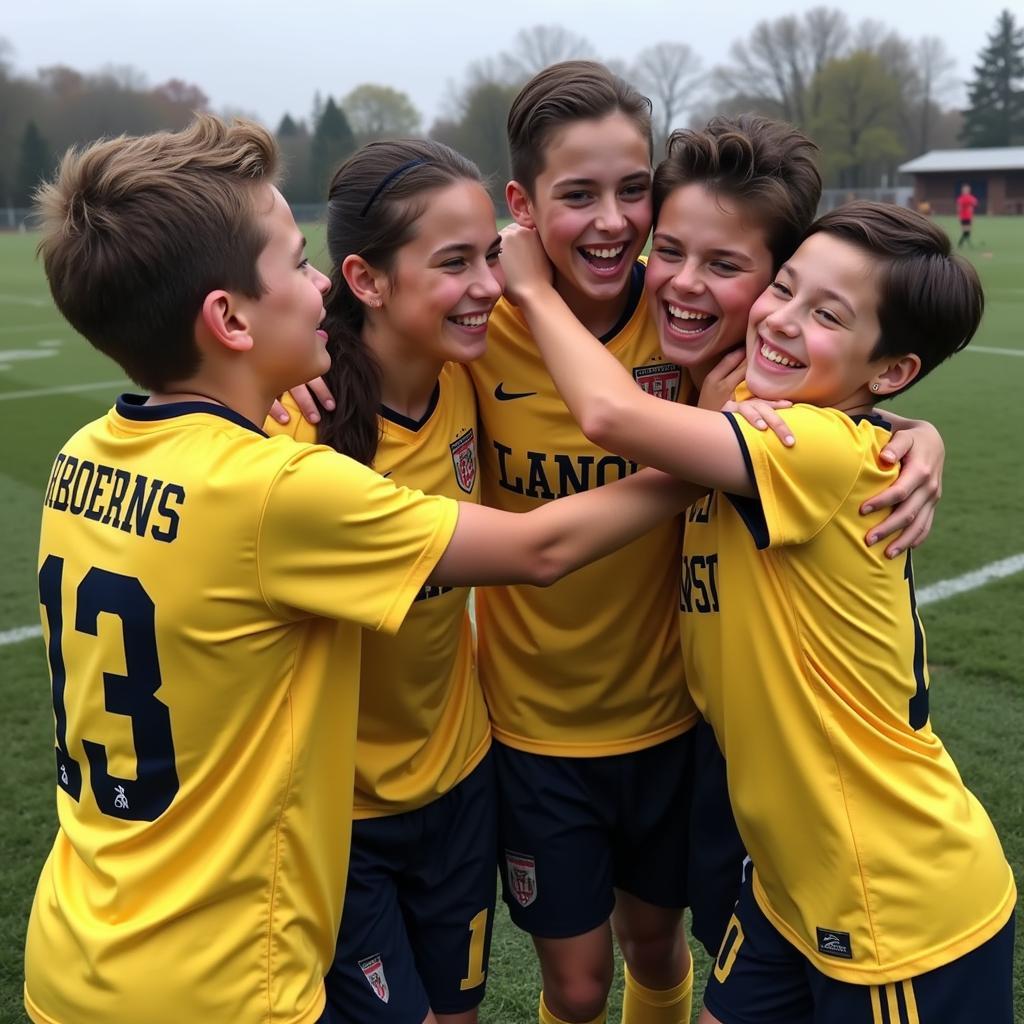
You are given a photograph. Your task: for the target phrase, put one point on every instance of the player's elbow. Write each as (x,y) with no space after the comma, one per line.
(547,567)
(549,560)
(602,421)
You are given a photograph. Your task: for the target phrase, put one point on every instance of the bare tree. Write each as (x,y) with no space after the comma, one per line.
(936,82)
(667,73)
(778,64)
(826,32)
(536,48)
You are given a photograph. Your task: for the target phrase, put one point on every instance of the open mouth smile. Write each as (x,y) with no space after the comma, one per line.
(689,323)
(476,323)
(605,260)
(777,357)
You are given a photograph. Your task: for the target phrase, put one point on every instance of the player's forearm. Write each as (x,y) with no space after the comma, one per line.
(574,531)
(597,389)
(490,547)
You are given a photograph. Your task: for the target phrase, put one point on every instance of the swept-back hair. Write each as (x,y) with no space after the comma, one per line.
(573,90)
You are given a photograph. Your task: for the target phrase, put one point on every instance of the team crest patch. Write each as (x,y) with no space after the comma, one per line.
(464,456)
(833,943)
(373,970)
(522,877)
(659,379)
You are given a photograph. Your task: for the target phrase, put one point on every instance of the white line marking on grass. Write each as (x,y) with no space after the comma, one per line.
(926,595)
(67,389)
(16,636)
(970,580)
(995,351)
(25,300)
(20,328)
(19,355)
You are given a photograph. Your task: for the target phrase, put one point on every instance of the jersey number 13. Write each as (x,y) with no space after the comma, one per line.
(133,694)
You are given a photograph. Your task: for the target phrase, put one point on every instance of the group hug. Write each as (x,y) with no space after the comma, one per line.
(296,758)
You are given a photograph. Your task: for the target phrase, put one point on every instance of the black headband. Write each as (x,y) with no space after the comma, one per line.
(408,166)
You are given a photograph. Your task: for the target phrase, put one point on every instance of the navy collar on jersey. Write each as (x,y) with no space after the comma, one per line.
(133,407)
(874,418)
(410,424)
(636,290)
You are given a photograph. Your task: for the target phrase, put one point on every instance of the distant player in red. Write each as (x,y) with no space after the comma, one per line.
(965,204)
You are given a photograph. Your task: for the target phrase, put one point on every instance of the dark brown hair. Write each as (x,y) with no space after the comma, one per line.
(138,231)
(574,90)
(375,199)
(930,300)
(766,166)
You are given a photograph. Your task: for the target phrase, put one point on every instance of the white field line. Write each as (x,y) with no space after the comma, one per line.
(995,351)
(20,328)
(970,580)
(15,636)
(926,595)
(25,300)
(66,389)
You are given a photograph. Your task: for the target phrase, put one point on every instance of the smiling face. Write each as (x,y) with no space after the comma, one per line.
(591,206)
(813,331)
(446,280)
(284,321)
(707,266)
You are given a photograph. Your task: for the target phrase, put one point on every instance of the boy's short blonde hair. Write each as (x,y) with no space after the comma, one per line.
(138,231)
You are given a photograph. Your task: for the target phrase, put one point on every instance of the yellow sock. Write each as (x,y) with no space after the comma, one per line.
(545,1016)
(641,1005)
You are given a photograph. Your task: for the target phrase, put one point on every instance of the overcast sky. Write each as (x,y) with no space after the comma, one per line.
(270,58)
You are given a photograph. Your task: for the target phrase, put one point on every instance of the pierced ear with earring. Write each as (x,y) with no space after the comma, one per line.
(874,387)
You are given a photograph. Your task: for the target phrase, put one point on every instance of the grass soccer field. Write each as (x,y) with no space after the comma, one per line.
(51,382)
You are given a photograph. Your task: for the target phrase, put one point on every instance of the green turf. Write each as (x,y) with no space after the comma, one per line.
(974,645)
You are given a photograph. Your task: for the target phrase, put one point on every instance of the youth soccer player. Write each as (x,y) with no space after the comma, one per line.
(829,686)
(204,703)
(415,276)
(966,203)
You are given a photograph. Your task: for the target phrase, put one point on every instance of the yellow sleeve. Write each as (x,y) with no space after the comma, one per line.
(338,540)
(297,427)
(799,489)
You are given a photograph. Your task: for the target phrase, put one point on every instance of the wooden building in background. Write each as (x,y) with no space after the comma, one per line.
(996,177)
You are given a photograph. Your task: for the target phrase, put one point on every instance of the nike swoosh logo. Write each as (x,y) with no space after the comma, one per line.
(507,396)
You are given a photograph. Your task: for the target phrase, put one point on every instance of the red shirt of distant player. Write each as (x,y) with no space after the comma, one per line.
(965,204)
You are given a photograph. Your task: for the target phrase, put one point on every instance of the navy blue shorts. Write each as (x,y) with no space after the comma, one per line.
(572,830)
(760,978)
(716,851)
(419,907)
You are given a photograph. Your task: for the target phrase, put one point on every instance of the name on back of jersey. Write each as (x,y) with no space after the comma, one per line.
(119,498)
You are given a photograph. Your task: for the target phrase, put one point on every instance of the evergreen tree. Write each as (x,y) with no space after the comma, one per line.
(995,116)
(35,162)
(332,142)
(287,128)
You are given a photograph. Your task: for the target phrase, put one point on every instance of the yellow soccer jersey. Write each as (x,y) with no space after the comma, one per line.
(205,715)
(422,719)
(805,651)
(589,666)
